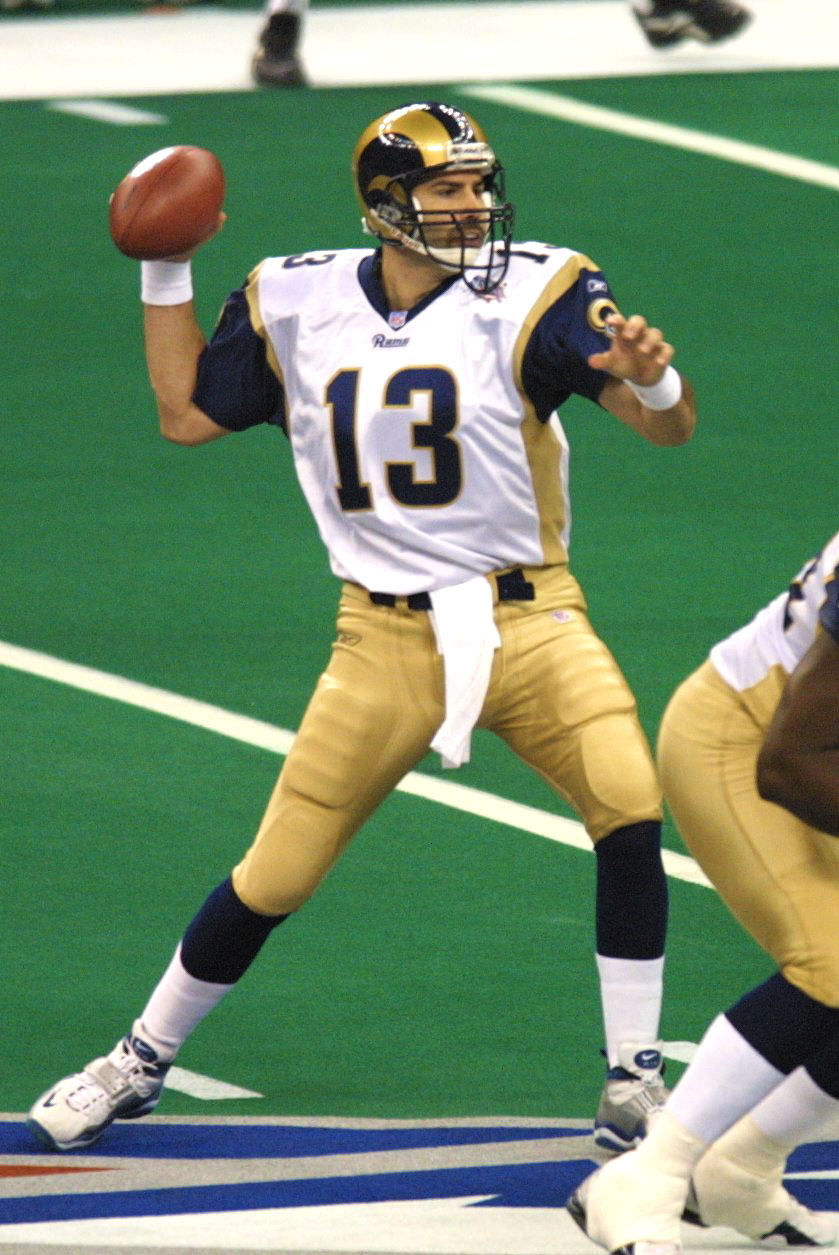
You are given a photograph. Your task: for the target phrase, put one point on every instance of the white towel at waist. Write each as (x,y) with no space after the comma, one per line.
(464,627)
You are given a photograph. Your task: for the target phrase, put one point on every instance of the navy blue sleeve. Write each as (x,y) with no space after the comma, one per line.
(829,613)
(554,364)
(236,386)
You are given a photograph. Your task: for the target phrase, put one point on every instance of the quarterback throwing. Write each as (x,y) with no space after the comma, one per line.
(418,383)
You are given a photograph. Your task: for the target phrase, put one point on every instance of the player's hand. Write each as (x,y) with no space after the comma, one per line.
(638,352)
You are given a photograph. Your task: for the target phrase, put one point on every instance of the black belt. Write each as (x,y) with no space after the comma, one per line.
(512,586)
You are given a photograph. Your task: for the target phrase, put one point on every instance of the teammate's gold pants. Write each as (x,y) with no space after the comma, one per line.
(556,696)
(779,877)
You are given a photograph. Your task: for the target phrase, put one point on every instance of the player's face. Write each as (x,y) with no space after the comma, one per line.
(454,210)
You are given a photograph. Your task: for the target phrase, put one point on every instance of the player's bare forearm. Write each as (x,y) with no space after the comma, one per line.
(798,766)
(672,426)
(174,342)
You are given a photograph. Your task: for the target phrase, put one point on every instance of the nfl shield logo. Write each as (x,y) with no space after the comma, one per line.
(397,318)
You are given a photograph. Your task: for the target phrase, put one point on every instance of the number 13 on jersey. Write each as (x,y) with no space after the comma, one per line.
(433,433)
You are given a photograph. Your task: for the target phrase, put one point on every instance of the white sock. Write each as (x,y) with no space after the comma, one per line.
(796,1110)
(725,1079)
(630,993)
(178,1004)
(670,1145)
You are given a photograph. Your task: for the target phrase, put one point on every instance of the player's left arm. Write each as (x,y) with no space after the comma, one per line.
(798,765)
(638,354)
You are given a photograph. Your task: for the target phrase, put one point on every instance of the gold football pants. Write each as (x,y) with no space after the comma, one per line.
(778,877)
(556,696)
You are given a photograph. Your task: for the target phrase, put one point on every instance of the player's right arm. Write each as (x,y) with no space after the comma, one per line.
(205,390)
(174,344)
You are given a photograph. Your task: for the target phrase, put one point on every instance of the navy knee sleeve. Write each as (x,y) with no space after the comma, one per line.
(225,937)
(784,1024)
(631,893)
(824,1067)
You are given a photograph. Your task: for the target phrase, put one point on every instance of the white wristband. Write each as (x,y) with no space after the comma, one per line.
(165,282)
(662,395)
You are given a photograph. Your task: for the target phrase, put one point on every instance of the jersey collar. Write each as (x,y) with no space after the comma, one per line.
(370,279)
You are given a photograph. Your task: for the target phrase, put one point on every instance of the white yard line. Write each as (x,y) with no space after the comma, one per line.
(278,741)
(206,1087)
(566,109)
(108,111)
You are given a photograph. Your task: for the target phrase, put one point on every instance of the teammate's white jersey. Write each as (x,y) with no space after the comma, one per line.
(416,438)
(781,633)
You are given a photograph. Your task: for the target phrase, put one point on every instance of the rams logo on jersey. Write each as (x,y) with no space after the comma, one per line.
(599,310)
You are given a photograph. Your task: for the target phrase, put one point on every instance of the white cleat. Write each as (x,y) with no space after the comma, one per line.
(624,1209)
(121,1086)
(633,1094)
(726,1192)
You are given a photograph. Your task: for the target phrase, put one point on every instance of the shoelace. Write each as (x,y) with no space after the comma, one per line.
(129,1074)
(652,1093)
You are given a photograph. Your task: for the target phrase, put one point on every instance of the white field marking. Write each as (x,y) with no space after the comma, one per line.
(569,110)
(108,111)
(278,741)
(198,1086)
(209,48)
(433,1226)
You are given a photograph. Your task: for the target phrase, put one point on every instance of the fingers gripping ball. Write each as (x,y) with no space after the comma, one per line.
(168,204)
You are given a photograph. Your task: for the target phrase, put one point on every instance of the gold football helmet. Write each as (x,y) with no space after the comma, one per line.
(411,145)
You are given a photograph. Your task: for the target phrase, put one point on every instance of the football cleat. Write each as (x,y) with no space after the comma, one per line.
(669,22)
(275,62)
(125,1084)
(634,1093)
(723,1192)
(599,1207)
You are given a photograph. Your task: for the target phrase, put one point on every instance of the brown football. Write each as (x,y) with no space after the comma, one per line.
(168,203)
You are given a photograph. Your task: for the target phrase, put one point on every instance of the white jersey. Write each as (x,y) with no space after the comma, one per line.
(416,439)
(782,632)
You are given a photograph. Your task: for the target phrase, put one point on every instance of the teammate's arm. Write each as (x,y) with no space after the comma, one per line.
(174,342)
(798,766)
(639,354)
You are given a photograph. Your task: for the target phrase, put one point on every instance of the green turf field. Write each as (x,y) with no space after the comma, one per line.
(445,967)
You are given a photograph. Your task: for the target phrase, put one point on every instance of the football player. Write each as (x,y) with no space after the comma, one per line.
(665,23)
(749,757)
(276,62)
(417,383)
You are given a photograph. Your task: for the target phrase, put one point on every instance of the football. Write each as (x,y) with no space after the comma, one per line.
(168,203)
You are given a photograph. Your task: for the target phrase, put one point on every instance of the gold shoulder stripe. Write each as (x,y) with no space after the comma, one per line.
(562,282)
(252,297)
(255,311)
(541,443)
